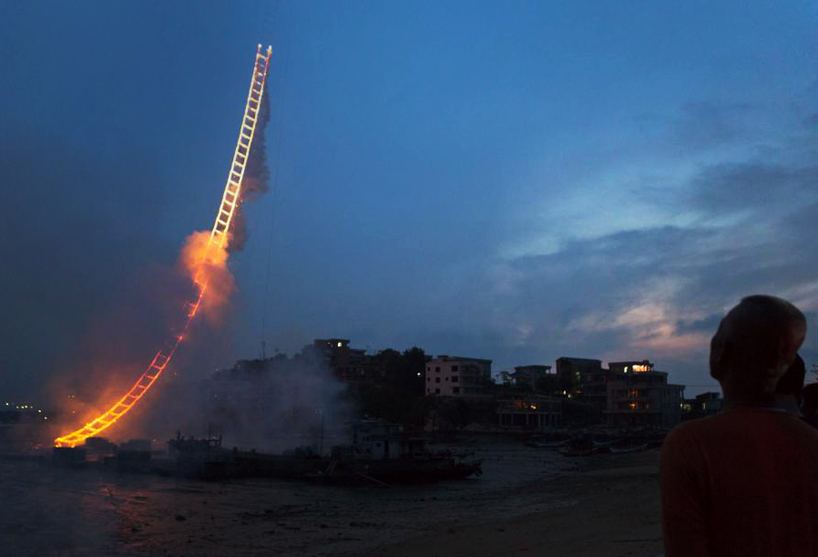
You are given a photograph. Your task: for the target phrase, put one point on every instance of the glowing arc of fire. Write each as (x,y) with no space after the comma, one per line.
(219,237)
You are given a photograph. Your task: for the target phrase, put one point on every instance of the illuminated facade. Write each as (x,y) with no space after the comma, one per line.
(642,398)
(642,366)
(530,412)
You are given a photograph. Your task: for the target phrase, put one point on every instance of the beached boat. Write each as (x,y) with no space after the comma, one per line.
(382,453)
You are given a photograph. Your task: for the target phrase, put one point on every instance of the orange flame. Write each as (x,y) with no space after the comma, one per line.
(206,264)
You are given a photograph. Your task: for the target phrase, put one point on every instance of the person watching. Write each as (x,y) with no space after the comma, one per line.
(745,481)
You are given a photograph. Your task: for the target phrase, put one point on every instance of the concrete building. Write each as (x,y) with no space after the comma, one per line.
(458,376)
(571,371)
(704,404)
(529,375)
(350,365)
(641,396)
(530,412)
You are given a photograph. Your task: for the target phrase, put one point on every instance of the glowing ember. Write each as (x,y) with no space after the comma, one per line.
(204,257)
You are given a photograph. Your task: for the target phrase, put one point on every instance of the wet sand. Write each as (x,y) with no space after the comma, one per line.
(609,508)
(529,501)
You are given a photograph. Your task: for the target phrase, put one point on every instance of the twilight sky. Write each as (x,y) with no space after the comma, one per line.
(509,180)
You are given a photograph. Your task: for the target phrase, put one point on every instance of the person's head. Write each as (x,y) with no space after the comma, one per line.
(789,387)
(755,345)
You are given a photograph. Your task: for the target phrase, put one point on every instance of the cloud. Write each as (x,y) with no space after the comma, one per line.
(658,291)
(755,186)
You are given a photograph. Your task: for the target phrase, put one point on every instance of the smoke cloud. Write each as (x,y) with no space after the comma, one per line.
(256,181)
(271,404)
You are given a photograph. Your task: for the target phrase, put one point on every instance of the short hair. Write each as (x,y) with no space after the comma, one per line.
(792,383)
(753,334)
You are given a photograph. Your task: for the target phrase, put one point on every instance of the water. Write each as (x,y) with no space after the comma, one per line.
(49,511)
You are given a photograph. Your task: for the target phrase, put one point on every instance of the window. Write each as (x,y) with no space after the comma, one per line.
(428,379)
(437,379)
(455,379)
(447,378)
(437,369)
(455,390)
(437,391)
(454,368)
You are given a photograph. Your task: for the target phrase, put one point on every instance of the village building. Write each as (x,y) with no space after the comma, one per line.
(350,365)
(458,376)
(530,411)
(529,375)
(639,395)
(574,374)
(702,405)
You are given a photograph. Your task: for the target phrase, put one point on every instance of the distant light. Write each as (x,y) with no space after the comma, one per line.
(339,345)
(418,374)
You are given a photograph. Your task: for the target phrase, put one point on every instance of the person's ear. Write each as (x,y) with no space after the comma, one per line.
(720,357)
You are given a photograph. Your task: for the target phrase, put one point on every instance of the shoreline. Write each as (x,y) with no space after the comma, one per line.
(529,500)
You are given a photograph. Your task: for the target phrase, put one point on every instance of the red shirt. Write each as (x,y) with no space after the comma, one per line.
(743,483)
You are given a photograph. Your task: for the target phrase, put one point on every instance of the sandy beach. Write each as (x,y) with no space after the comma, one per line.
(529,502)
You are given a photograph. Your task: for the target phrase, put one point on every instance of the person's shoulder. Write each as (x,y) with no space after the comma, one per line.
(684,435)
(692,428)
(802,428)
(694,432)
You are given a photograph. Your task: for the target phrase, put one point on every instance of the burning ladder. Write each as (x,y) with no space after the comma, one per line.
(232,190)
(218,237)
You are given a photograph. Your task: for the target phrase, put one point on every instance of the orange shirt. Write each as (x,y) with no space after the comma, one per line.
(743,482)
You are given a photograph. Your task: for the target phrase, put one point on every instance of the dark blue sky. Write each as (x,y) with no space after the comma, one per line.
(516,181)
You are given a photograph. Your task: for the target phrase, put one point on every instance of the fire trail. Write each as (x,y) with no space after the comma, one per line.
(212,252)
